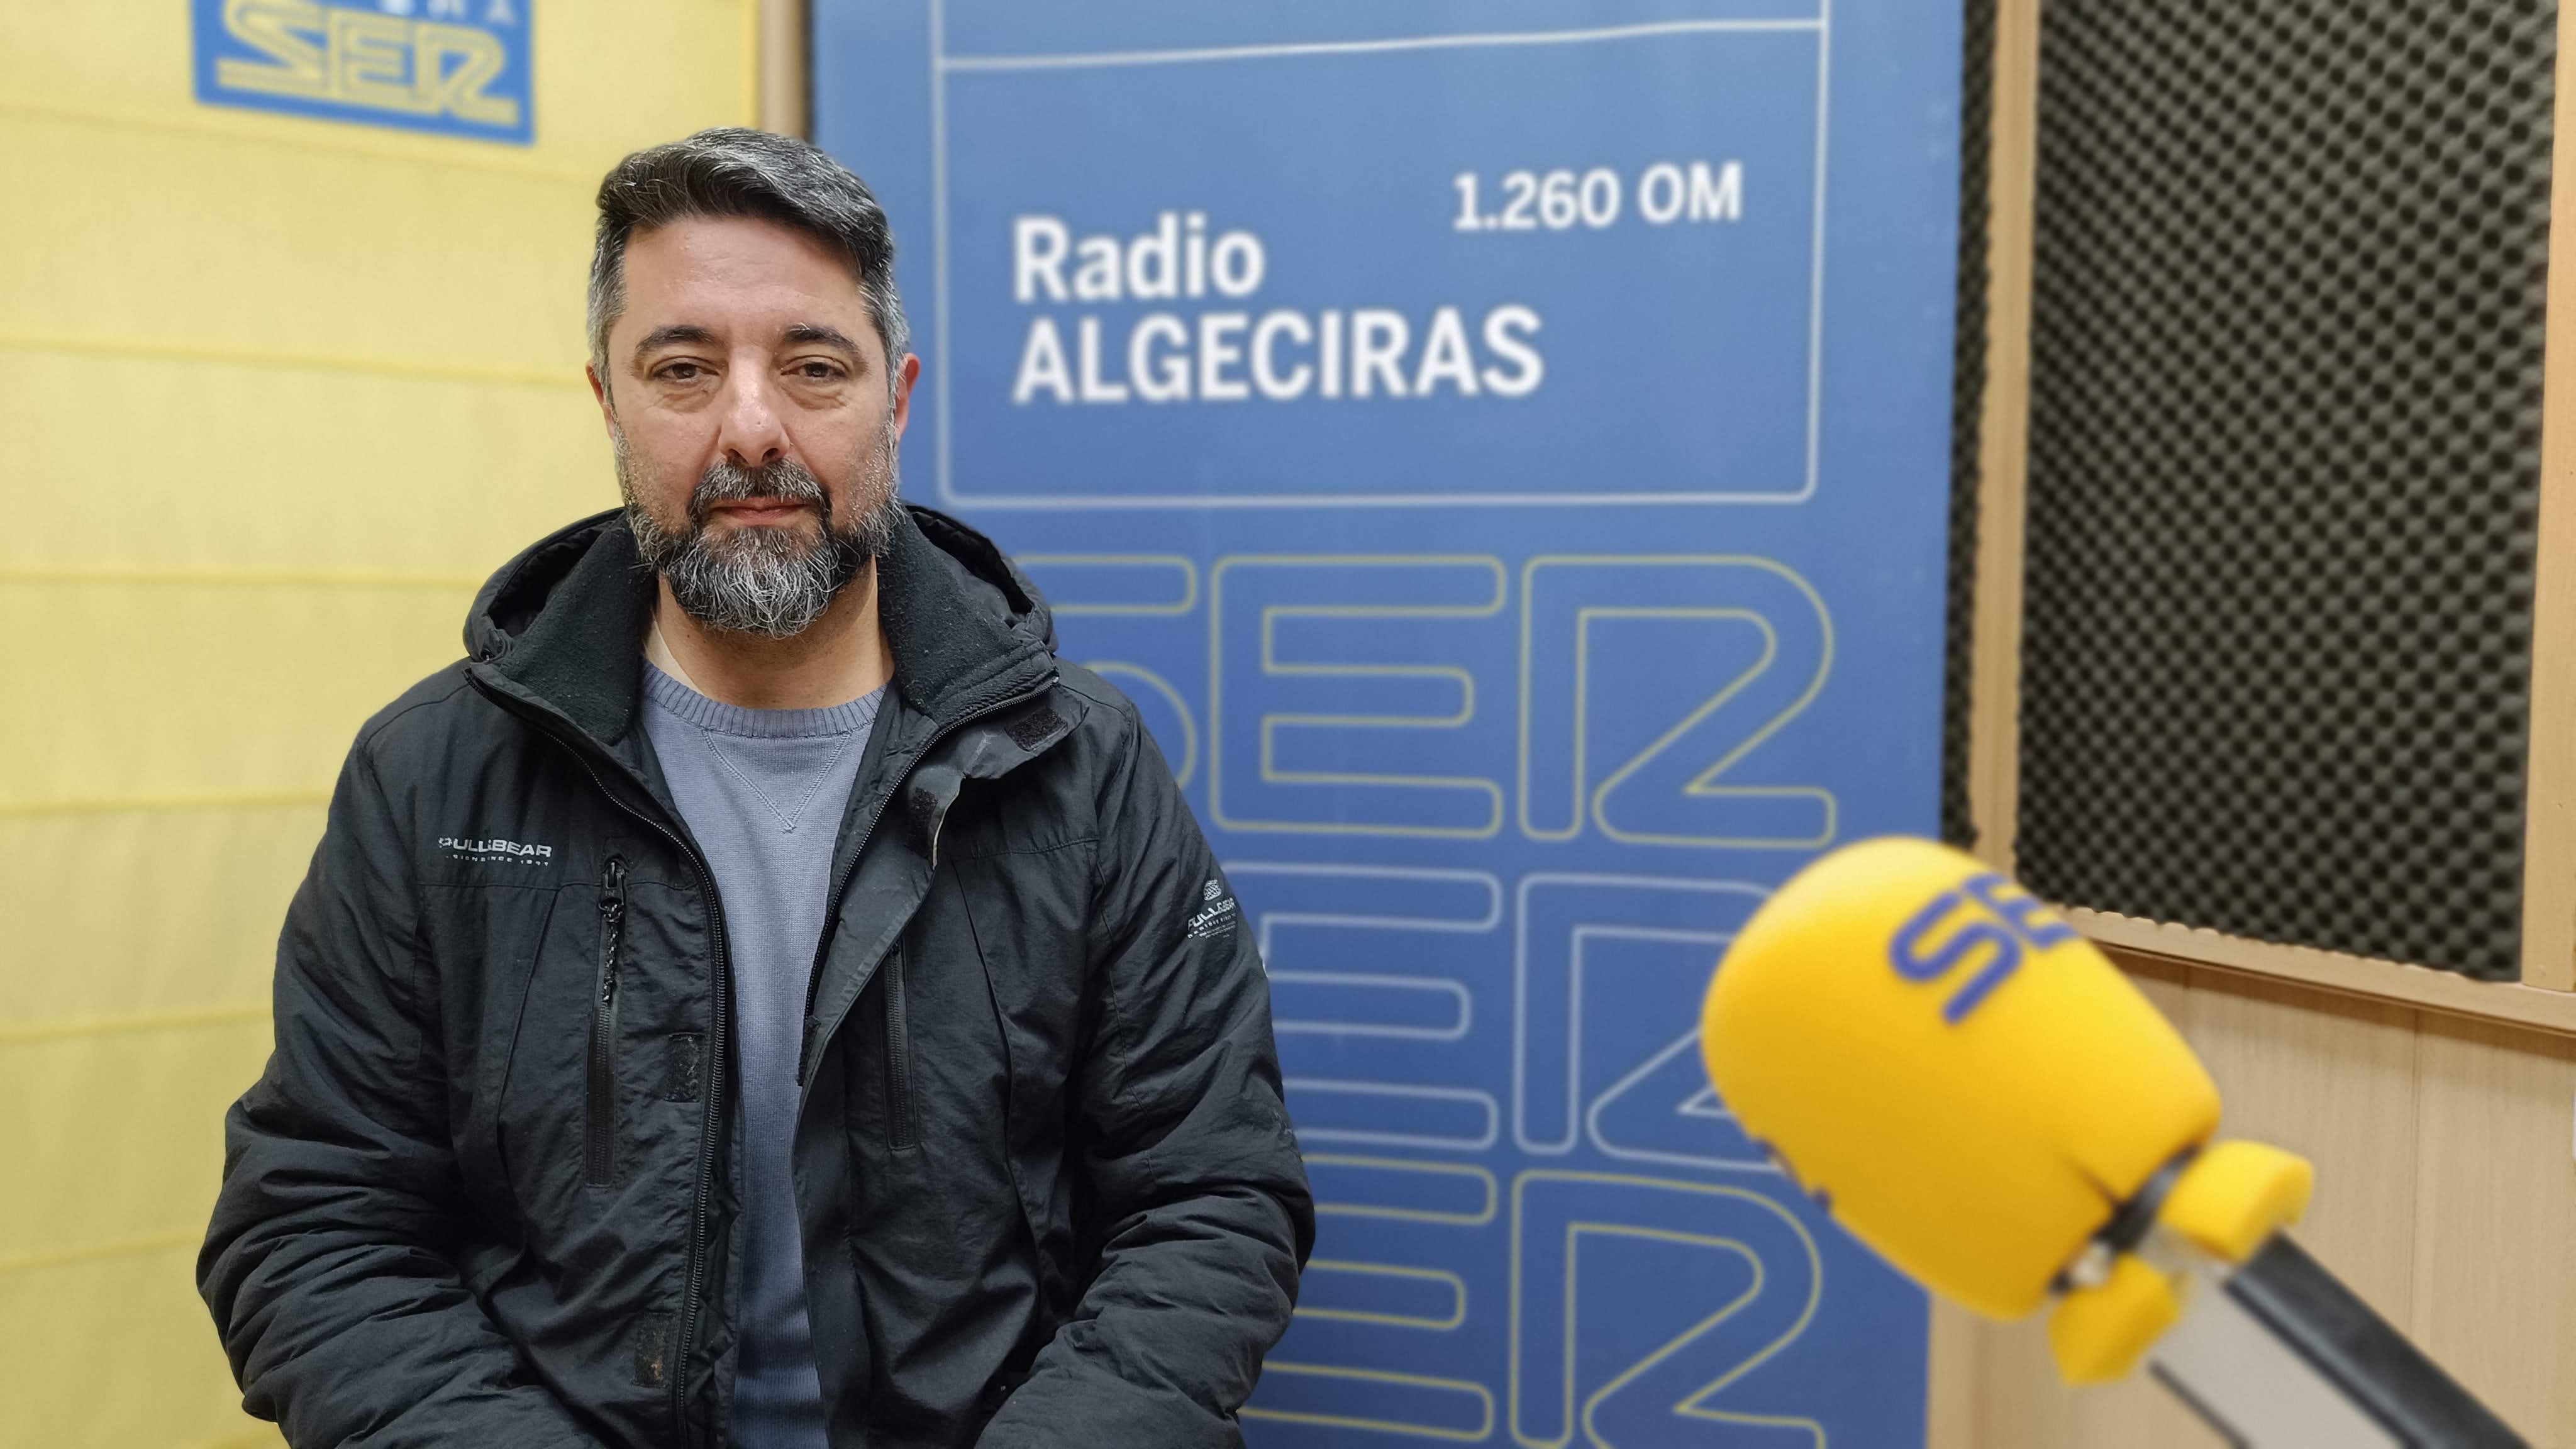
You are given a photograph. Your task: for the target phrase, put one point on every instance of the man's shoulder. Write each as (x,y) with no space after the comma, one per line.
(1117,747)
(428,715)
(1107,715)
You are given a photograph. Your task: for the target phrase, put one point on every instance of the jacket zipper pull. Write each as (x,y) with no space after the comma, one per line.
(612,924)
(601,1134)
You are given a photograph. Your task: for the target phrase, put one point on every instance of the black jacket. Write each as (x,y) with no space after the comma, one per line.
(484,1194)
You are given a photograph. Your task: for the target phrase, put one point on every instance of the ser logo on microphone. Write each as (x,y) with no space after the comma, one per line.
(1999,920)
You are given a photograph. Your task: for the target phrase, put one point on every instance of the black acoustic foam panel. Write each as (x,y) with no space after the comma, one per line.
(2285,424)
(1967,410)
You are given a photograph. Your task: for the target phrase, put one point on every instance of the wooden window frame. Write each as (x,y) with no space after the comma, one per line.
(2545,998)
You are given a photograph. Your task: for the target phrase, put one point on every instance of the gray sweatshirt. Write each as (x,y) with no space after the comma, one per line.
(763,791)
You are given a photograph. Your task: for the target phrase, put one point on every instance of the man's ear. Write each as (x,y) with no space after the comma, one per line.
(599,390)
(905,377)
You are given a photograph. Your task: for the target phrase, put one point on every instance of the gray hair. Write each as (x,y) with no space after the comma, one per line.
(728,171)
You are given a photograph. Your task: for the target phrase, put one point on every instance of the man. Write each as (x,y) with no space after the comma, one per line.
(761,995)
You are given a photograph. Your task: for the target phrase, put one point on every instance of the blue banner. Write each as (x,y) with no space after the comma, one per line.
(1502,447)
(455,67)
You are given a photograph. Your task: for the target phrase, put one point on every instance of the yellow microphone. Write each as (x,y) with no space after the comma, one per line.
(1975,1092)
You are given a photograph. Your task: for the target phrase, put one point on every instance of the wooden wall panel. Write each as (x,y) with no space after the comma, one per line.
(2446,1198)
(2332,1079)
(785,68)
(1954,1379)
(2004,434)
(2495,1201)
(2549,819)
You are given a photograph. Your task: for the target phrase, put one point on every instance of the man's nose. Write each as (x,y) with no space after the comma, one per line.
(751,435)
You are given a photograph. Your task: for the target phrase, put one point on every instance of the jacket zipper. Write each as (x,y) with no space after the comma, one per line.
(841,884)
(600,1154)
(697,1269)
(899,1128)
(707,1123)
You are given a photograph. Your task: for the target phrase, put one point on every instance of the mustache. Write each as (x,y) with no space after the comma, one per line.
(785,481)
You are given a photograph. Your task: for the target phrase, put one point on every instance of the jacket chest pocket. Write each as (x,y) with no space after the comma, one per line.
(902,1089)
(602,1051)
(489,943)
(922,1060)
(554,1109)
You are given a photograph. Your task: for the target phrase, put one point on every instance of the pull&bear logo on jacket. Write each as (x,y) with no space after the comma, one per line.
(465,847)
(1218,918)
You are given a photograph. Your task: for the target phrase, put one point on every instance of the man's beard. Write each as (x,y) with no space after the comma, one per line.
(774,581)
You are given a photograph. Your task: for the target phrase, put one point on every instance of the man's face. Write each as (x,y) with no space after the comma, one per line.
(747,395)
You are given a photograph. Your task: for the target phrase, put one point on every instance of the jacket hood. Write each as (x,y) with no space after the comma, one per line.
(563,623)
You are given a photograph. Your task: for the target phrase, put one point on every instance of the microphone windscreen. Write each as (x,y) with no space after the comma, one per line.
(1964,1082)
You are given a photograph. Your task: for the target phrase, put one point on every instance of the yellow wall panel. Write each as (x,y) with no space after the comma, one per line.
(278,391)
(73,53)
(109,1344)
(288,469)
(189,690)
(124,1357)
(608,72)
(460,269)
(119,911)
(148,1163)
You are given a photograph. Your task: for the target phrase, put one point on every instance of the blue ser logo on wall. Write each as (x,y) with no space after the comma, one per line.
(454,67)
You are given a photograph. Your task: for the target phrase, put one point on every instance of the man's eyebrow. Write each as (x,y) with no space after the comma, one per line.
(680,333)
(816,332)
